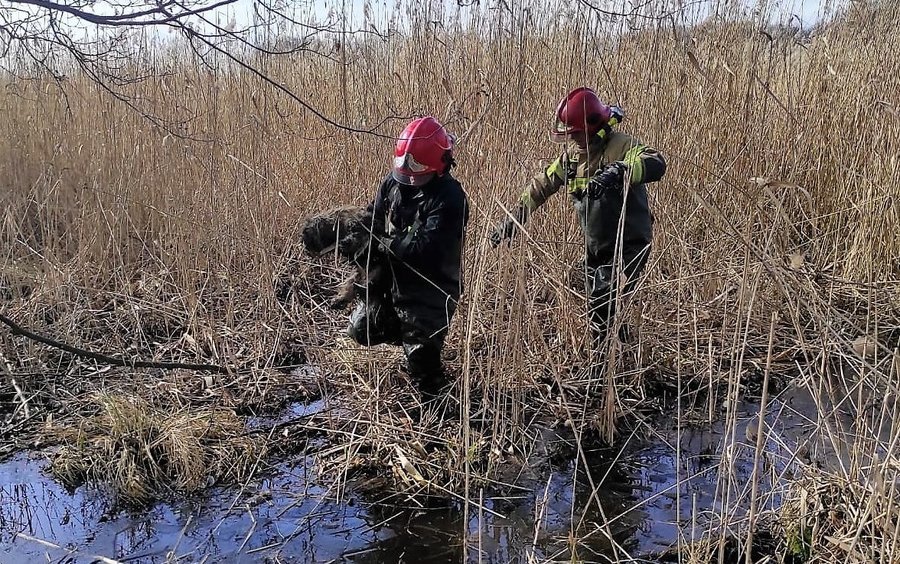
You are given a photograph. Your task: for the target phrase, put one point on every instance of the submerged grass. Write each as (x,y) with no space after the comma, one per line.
(141,453)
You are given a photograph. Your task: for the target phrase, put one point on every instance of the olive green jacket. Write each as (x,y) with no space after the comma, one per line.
(599,217)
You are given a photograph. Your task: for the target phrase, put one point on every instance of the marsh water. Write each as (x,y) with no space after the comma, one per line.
(649,492)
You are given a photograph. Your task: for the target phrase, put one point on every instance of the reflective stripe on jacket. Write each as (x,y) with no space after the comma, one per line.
(599,218)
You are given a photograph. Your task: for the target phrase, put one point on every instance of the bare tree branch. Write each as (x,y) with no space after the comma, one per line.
(42,30)
(279,86)
(128,19)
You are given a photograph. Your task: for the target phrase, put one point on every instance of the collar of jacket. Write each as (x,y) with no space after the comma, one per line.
(573,153)
(408,192)
(602,137)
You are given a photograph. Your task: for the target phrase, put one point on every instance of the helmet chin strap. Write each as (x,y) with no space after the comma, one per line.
(449,161)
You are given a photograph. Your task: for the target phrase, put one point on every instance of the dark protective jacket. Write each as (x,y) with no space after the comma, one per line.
(425,226)
(600,217)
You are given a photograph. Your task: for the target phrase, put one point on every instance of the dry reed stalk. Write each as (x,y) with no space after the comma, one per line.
(781,195)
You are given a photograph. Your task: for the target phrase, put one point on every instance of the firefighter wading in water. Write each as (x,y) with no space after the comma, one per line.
(421,212)
(604,172)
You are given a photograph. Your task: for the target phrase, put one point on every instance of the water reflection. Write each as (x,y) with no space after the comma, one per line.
(646,495)
(286,517)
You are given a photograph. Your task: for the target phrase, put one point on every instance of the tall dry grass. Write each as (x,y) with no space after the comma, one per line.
(781,196)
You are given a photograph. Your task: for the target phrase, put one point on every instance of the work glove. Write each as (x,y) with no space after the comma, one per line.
(387,245)
(507,227)
(610,178)
(398,243)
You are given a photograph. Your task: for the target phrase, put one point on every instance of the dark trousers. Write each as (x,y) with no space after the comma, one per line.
(606,283)
(417,328)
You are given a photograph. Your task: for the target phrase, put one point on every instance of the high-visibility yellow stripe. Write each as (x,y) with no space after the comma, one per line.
(526,200)
(555,169)
(634,154)
(637,172)
(635,163)
(577,185)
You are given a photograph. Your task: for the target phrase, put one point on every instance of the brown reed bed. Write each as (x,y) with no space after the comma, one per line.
(776,253)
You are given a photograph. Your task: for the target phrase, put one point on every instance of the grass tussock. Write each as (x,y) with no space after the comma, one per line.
(829,517)
(140,452)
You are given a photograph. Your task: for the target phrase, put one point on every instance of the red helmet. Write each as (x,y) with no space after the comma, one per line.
(422,151)
(580,110)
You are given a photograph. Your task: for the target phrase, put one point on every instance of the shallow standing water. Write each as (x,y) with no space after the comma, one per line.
(647,494)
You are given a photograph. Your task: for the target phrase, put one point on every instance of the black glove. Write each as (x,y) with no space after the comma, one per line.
(610,178)
(385,244)
(507,227)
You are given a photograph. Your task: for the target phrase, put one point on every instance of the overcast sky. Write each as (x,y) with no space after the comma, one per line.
(359,14)
(808,11)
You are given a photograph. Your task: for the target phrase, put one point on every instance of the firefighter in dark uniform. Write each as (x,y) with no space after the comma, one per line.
(419,217)
(605,173)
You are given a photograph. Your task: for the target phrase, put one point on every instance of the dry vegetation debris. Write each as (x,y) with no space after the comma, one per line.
(140,453)
(781,197)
